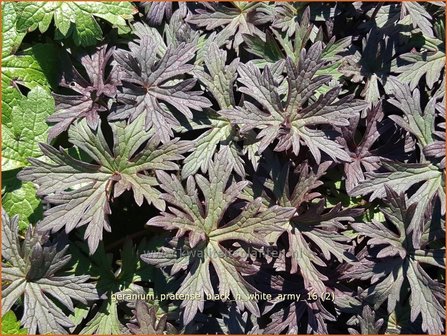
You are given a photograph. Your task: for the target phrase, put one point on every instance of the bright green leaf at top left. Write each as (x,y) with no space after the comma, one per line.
(40,65)
(77,19)
(11,37)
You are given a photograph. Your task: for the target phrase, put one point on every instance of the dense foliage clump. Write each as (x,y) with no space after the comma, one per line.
(235,167)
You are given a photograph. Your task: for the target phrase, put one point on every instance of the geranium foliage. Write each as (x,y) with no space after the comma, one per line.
(223,168)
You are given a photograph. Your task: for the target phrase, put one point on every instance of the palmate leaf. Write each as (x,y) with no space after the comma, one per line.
(220,135)
(402,176)
(237,18)
(150,89)
(426,126)
(286,16)
(30,270)
(311,225)
(363,157)
(278,46)
(419,64)
(94,93)
(81,191)
(77,19)
(178,31)
(429,62)
(207,230)
(28,67)
(219,80)
(174,33)
(399,264)
(20,137)
(419,17)
(293,121)
(105,321)
(322,228)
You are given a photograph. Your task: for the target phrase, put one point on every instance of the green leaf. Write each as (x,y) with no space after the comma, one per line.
(27,128)
(219,78)
(286,16)
(11,38)
(10,325)
(400,177)
(77,317)
(205,147)
(73,18)
(19,198)
(268,50)
(39,65)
